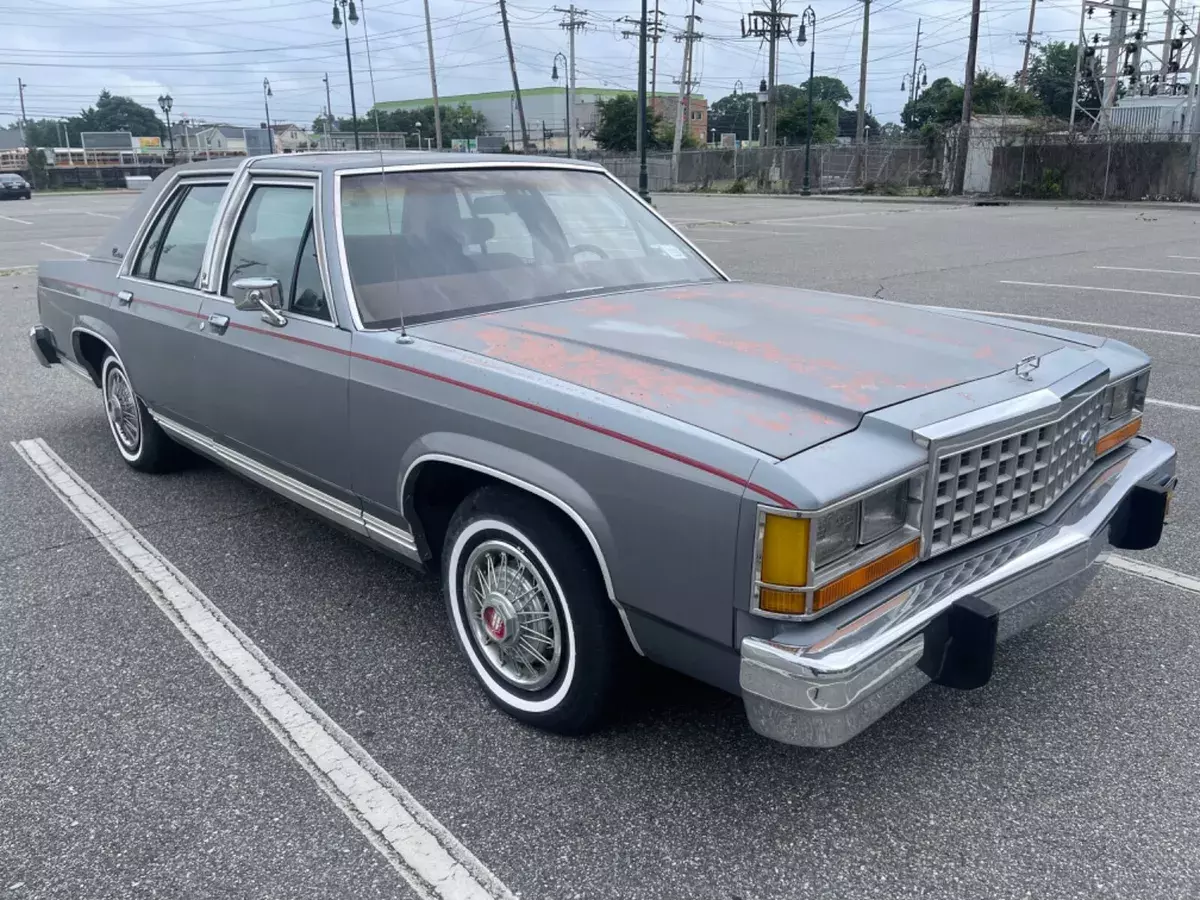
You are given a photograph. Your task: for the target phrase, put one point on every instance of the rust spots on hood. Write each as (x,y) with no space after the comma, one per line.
(639,382)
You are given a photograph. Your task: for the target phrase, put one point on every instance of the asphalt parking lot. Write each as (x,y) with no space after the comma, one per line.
(128,767)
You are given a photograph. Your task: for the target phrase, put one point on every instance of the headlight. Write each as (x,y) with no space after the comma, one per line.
(1124,402)
(837,534)
(807,563)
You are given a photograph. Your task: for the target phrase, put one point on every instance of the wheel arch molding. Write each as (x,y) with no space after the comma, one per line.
(503,464)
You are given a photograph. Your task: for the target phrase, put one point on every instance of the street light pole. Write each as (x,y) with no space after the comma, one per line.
(164,103)
(567,88)
(351,19)
(809,18)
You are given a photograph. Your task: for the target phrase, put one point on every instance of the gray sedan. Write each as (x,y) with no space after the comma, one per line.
(513,373)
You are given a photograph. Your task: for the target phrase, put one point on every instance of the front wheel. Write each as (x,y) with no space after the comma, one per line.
(138,437)
(530,613)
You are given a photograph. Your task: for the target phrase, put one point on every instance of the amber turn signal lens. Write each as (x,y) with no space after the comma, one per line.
(1118,437)
(853,582)
(788,603)
(785,551)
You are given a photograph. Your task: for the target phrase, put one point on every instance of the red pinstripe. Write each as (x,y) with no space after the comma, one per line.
(504,398)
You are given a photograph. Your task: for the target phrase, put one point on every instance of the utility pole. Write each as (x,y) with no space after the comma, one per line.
(512,65)
(682,121)
(770,24)
(24,121)
(576,19)
(912,85)
(654,32)
(437,112)
(328,115)
(1028,43)
(960,159)
(860,125)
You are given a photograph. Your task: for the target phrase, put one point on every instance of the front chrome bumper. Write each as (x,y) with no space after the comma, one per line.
(820,683)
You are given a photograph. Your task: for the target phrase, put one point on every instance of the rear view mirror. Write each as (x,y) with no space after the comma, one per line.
(250,294)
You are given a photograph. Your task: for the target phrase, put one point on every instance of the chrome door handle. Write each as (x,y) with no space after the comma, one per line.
(217,323)
(124,298)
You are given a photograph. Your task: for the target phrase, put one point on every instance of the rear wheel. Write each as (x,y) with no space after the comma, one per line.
(139,439)
(530,612)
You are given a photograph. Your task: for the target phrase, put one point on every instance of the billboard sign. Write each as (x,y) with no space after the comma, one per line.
(107,140)
(258,141)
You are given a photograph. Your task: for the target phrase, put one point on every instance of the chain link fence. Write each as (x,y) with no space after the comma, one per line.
(902,167)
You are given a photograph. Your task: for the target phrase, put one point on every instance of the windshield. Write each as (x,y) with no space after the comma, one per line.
(440,244)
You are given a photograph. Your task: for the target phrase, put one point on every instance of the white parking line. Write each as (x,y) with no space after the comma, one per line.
(1088,287)
(1183,257)
(101,215)
(63,249)
(1154,271)
(420,848)
(1173,404)
(1006,315)
(14,219)
(1154,573)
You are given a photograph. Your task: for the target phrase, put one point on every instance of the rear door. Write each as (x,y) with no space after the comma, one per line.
(278,392)
(157,310)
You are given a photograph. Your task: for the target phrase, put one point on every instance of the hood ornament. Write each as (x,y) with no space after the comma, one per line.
(1025,367)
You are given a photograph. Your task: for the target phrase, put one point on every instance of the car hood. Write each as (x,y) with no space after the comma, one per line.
(777,369)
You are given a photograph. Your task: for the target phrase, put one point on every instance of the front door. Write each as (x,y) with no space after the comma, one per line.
(276,390)
(158,305)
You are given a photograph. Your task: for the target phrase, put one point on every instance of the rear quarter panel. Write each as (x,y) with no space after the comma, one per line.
(74,294)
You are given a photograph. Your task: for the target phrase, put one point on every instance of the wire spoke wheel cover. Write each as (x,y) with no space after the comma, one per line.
(121,406)
(512,615)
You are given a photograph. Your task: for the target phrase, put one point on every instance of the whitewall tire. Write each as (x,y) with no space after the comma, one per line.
(528,609)
(138,437)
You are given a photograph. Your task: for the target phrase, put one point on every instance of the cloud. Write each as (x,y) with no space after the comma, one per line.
(212,55)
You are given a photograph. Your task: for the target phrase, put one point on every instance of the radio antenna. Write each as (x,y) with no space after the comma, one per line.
(403,337)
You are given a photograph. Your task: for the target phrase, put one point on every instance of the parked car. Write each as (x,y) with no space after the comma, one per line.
(513,373)
(14,186)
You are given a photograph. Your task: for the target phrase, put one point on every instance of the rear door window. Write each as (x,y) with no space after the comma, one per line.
(174,252)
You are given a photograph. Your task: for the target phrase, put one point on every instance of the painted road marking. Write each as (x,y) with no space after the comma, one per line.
(4,268)
(101,215)
(1153,572)
(1154,271)
(1183,257)
(14,219)
(1088,287)
(63,249)
(420,848)
(1006,315)
(1173,404)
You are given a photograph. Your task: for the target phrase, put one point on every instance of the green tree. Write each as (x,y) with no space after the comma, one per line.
(1052,80)
(731,115)
(617,125)
(792,124)
(847,125)
(113,112)
(940,104)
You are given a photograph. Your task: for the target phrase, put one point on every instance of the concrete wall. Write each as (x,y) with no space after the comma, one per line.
(1116,170)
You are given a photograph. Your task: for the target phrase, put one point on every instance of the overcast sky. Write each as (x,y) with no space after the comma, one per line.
(212,55)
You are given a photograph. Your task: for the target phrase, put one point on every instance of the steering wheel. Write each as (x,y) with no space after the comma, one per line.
(588,248)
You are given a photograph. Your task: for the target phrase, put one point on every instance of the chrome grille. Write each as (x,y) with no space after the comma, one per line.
(1007,478)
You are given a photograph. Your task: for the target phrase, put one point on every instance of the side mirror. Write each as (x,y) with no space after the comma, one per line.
(264,294)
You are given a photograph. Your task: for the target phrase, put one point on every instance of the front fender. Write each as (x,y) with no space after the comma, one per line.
(519,469)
